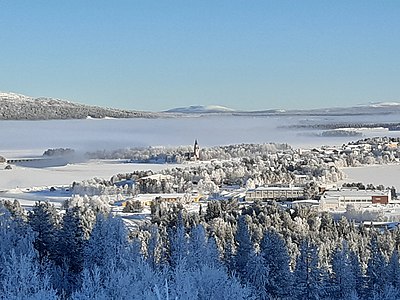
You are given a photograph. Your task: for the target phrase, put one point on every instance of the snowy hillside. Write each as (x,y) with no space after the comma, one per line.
(382,105)
(364,109)
(196,109)
(20,107)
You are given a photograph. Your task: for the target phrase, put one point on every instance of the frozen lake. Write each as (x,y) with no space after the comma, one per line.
(22,138)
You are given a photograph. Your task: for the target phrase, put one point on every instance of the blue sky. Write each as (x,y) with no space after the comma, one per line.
(155,55)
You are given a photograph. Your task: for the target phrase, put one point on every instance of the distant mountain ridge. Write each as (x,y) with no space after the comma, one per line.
(362,109)
(381,104)
(201,109)
(20,107)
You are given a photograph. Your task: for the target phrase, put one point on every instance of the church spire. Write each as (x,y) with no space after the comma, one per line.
(196,150)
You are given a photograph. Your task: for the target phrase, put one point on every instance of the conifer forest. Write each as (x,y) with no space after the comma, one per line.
(223,251)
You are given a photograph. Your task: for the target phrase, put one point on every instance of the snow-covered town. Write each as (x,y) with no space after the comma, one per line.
(264,172)
(222,189)
(199,150)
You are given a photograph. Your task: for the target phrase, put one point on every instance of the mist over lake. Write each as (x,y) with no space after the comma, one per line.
(33,137)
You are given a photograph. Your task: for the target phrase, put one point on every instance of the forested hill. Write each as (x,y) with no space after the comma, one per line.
(20,107)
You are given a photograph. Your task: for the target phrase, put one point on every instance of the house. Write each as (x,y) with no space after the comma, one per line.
(381,225)
(302,179)
(147,199)
(303,203)
(126,182)
(159,177)
(334,199)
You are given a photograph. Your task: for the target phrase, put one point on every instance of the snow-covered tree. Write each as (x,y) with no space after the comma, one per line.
(309,279)
(258,276)
(154,247)
(43,219)
(344,279)
(206,282)
(135,281)
(108,241)
(21,278)
(394,269)
(71,239)
(276,259)
(244,247)
(377,275)
(178,242)
(15,236)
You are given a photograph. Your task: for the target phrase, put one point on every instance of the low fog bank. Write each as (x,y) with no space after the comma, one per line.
(26,138)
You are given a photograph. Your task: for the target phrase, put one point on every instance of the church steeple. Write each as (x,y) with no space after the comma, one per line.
(196,150)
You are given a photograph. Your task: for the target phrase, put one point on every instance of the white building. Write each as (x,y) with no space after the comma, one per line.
(279,192)
(334,199)
(147,199)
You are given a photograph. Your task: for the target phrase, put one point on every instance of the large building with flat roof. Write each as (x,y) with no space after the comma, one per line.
(147,199)
(334,199)
(277,192)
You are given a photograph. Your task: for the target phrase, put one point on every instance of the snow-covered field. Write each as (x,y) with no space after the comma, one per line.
(29,185)
(387,175)
(21,177)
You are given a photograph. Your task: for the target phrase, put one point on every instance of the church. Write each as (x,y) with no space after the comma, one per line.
(195,155)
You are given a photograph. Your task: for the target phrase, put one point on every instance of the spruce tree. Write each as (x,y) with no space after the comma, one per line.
(258,276)
(344,279)
(394,269)
(244,247)
(71,240)
(197,247)
(108,242)
(178,242)
(153,255)
(309,278)
(276,260)
(21,278)
(376,275)
(357,273)
(43,219)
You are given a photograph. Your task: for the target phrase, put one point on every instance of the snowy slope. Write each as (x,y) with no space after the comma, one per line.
(382,105)
(196,109)
(20,107)
(362,109)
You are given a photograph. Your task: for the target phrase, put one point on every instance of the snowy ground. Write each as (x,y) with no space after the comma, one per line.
(387,175)
(21,177)
(29,185)
(29,196)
